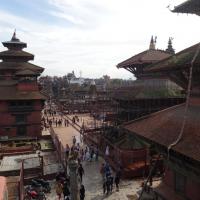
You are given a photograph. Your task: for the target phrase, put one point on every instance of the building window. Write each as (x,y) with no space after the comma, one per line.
(20,119)
(21,130)
(180,182)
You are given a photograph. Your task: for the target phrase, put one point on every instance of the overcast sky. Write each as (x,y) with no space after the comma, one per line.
(93,36)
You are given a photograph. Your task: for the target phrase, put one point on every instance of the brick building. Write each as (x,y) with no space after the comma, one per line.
(20,99)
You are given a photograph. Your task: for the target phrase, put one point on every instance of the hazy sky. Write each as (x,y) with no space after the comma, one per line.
(93,36)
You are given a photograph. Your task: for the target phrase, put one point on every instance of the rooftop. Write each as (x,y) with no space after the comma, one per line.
(181,59)
(20,65)
(146,57)
(11,93)
(163,128)
(190,6)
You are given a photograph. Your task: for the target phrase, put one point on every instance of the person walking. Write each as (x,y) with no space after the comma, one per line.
(74,140)
(102,171)
(107,185)
(104,185)
(67,150)
(111,183)
(97,154)
(117,180)
(82,192)
(66,191)
(81,172)
(59,189)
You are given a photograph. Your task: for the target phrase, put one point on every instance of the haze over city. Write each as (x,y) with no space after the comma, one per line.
(94,36)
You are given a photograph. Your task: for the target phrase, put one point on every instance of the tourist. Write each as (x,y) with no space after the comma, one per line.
(111,182)
(59,123)
(97,153)
(107,169)
(82,155)
(87,155)
(56,123)
(117,179)
(104,185)
(65,122)
(59,189)
(80,172)
(107,152)
(102,171)
(74,140)
(66,192)
(78,147)
(67,150)
(107,185)
(91,152)
(82,192)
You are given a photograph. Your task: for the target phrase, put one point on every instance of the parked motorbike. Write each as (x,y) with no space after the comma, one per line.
(32,194)
(45,184)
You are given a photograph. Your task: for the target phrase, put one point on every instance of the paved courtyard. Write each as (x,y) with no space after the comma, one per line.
(92,179)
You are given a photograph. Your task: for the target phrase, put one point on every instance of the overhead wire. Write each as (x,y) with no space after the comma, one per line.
(186,104)
(183,123)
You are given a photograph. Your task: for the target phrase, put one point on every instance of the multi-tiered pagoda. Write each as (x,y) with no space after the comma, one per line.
(20,99)
(150,92)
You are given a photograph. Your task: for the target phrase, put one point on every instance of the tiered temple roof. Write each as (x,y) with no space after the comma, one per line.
(177,65)
(138,62)
(13,67)
(190,6)
(163,127)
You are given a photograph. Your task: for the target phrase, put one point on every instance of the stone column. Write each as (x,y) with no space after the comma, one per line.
(73,165)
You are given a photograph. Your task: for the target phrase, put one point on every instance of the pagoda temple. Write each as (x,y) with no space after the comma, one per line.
(174,132)
(150,92)
(190,6)
(21,101)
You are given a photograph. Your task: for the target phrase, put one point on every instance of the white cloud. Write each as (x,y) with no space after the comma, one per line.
(104,33)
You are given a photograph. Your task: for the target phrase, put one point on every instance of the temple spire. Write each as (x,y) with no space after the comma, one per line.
(170,48)
(14,43)
(14,38)
(152,43)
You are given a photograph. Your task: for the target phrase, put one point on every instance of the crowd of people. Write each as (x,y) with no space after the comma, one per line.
(57,122)
(80,153)
(108,179)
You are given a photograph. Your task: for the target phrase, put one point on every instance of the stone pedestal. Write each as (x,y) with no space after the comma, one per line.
(73,165)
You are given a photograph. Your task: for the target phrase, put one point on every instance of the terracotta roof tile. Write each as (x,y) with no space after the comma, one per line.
(15,53)
(11,93)
(179,60)
(190,6)
(26,72)
(163,128)
(146,57)
(20,65)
